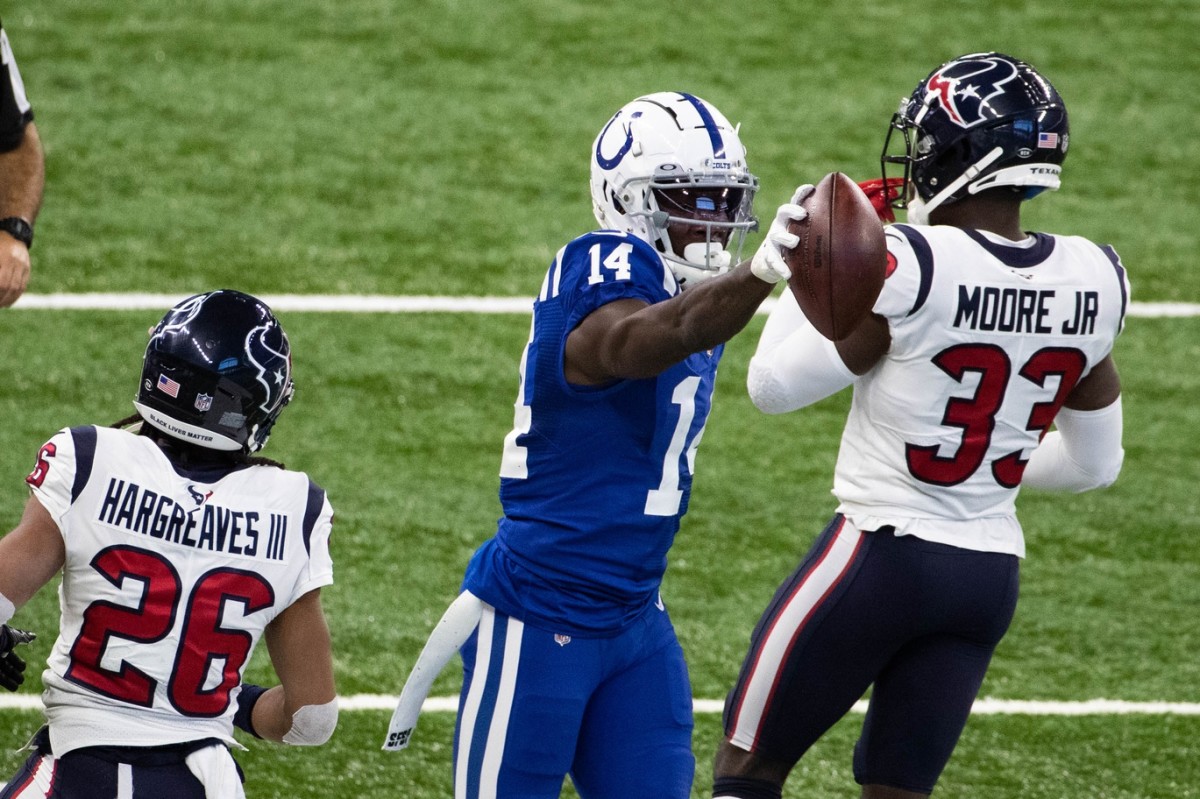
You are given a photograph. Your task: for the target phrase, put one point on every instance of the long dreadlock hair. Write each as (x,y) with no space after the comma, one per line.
(190,454)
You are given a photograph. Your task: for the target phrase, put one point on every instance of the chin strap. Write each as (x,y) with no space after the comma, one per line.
(918,212)
(919,215)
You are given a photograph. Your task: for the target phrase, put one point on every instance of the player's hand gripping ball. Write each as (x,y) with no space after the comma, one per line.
(839,262)
(768,263)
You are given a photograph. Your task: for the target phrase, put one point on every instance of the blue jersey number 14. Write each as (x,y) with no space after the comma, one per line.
(665,500)
(661,501)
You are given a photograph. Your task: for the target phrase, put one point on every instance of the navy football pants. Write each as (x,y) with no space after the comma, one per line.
(915,621)
(106,773)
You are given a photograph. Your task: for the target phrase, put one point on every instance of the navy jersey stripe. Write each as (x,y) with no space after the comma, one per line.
(85,456)
(924,260)
(316,501)
(1120,268)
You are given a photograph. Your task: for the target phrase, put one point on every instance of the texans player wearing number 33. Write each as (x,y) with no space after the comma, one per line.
(572,665)
(178,549)
(983,336)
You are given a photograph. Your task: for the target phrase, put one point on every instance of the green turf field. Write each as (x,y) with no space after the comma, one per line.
(367,146)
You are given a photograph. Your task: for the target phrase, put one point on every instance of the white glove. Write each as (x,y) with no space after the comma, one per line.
(768,264)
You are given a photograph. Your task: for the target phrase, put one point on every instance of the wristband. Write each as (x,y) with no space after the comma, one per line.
(246,700)
(19,229)
(7,609)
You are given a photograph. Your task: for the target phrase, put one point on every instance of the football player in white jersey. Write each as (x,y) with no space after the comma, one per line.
(983,336)
(178,550)
(22,177)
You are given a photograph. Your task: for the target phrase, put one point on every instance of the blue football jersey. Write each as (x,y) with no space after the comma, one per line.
(594,480)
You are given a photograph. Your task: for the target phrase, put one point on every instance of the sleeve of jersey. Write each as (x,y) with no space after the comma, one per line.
(318,571)
(52,480)
(1122,278)
(906,274)
(599,268)
(15,111)
(794,365)
(1085,451)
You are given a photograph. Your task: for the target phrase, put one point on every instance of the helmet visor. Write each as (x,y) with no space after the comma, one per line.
(708,203)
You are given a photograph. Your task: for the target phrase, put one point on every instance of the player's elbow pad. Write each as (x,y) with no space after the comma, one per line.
(313,725)
(766,391)
(801,370)
(1084,453)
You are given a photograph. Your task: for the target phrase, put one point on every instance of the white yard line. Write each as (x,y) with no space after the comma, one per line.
(985,706)
(380,303)
(374,303)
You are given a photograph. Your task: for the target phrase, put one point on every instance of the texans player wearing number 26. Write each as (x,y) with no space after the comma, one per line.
(178,550)
(983,336)
(572,665)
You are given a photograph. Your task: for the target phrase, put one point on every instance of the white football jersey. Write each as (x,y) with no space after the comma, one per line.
(170,579)
(989,337)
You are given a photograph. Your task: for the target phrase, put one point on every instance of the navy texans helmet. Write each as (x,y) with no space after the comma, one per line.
(978,122)
(217,372)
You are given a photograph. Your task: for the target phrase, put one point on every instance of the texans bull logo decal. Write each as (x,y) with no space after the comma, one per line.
(963,89)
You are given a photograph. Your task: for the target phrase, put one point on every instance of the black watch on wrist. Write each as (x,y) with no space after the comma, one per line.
(19,229)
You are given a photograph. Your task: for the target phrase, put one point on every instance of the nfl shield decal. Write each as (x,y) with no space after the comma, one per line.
(203,402)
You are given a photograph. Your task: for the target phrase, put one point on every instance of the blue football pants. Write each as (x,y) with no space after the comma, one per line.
(613,713)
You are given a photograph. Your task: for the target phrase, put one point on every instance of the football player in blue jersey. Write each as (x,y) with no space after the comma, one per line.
(22,177)
(572,665)
(983,336)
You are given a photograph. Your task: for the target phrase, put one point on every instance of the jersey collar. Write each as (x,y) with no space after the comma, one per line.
(1019,255)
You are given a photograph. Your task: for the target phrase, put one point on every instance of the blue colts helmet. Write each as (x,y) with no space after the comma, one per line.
(978,122)
(217,372)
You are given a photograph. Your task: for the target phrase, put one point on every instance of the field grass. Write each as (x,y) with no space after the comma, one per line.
(1110,591)
(368,146)
(441,147)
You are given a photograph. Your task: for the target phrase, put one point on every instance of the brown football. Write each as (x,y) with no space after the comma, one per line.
(839,265)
